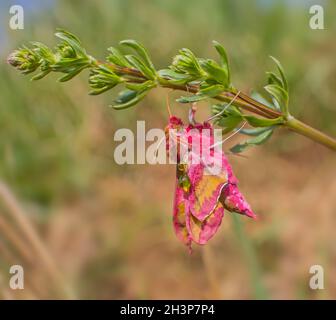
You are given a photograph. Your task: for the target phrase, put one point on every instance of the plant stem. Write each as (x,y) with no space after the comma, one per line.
(309,132)
(293,124)
(210,271)
(227,97)
(251,258)
(244,102)
(124,69)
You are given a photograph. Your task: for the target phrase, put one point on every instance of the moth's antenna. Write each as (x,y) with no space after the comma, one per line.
(192,112)
(163,138)
(167,104)
(230,136)
(228,105)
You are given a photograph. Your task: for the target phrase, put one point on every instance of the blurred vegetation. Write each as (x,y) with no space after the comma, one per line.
(56,142)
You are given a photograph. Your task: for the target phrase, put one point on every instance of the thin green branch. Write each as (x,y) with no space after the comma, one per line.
(201,78)
(226,96)
(311,133)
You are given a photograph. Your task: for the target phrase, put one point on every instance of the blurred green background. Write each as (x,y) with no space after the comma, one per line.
(108,227)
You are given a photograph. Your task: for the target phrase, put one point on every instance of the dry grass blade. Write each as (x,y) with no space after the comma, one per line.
(22,222)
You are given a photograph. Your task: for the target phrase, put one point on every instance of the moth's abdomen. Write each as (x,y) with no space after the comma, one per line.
(234,201)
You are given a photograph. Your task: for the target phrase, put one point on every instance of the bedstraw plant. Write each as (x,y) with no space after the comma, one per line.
(200,78)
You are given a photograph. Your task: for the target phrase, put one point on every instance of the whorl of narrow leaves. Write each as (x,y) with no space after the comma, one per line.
(69,58)
(25,60)
(102,78)
(201,78)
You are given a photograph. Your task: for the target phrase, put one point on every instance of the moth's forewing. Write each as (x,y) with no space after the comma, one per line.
(234,201)
(202,231)
(205,191)
(206,212)
(180,211)
(207,178)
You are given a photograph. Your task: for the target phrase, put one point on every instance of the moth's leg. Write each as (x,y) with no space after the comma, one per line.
(168,104)
(192,112)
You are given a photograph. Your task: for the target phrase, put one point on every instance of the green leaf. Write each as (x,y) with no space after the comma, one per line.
(274,79)
(129,98)
(254,131)
(223,58)
(40,75)
(139,65)
(208,92)
(228,111)
(282,73)
(229,122)
(125,96)
(174,77)
(141,51)
(102,78)
(43,51)
(71,40)
(280,95)
(133,97)
(140,86)
(117,58)
(220,75)
(71,74)
(260,98)
(262,122)
(65,64)
(68,35)
(187,63)
(261,138)
(100,90)
(258,140)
